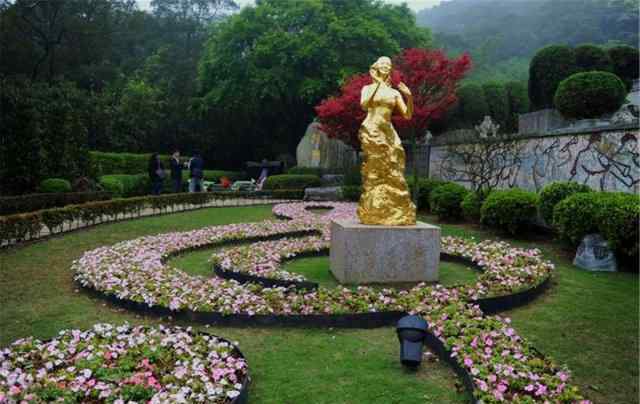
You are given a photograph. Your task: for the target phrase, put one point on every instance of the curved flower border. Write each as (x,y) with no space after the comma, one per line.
(501,365)
(120,364)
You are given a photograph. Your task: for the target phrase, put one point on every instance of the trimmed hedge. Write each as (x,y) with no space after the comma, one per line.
(472,105)
(215,175)
(551,194)
(590,95)
(306,171)
(54,185)
(497,99)
(101,163)
(23,226)
(125,185)
(445,200)
(592,57)
(509,210)
(287,181)
(28,203)
(547,69)
(626,63)
(615,215)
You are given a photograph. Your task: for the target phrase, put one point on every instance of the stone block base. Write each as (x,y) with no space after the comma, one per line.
(384,254)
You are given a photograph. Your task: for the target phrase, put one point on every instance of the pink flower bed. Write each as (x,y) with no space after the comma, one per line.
(505,368)
(122,364)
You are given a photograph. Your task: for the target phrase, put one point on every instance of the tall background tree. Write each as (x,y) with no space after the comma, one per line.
(265,68)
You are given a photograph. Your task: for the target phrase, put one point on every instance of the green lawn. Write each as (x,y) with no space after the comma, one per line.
(587,321)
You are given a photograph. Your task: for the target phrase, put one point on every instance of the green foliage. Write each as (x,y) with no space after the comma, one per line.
(306,171)
(615,215)
(287,181)
(592,57)
(626,63)
(471,206)
(266,67)
(548,68)
(54,185)
(112,185)
(353,176)
(102,163)
(472,106)
(551,194)
(425,186)
(590,95)
(351,192)
(509,210)
(46,135)
(498,102)
(32,202)
(518,100)
(445,200)
(130,185)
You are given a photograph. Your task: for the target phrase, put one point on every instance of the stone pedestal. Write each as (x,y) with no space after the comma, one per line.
(384,254)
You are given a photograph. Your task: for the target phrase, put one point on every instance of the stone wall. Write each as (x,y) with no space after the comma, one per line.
(607,160)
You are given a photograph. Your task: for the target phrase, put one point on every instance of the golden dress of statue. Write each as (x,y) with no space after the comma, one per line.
(385,199)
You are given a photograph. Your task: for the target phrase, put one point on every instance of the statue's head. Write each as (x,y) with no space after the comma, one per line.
(382,68)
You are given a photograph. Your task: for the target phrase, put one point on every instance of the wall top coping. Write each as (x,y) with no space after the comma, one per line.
(470,137)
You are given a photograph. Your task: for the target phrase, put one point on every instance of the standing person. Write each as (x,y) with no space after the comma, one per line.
(196,168)
(176,172)
(156,173)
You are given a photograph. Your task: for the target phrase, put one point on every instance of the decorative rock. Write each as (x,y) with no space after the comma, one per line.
(384,254)
(323,194)
(317,150)
(594,254)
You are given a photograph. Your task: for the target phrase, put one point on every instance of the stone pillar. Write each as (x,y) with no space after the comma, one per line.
(384,254)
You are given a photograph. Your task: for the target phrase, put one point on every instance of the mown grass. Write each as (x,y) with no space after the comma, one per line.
(586,321)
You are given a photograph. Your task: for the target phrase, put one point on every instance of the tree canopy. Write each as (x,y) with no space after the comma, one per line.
(270,64)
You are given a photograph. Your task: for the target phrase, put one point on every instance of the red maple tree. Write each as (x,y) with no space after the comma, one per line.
(432,78)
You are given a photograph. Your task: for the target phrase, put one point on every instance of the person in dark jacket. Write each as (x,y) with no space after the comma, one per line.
(156,173)
(176,172)
(196,168)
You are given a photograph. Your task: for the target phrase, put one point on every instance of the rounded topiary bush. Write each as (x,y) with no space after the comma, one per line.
(55,185)
(626,63)
(551,194)
(590,95)
(425,186)
(471,205)
(592,57)
(547,69)
(618,217)
(615,215)
(509,210)
(112,185)
(445,200)
(286,181)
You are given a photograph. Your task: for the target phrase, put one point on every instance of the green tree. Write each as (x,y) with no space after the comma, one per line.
(592,57)
(548,68)
(270,64)
(472,106)
(496,96)
(518,104)
(626,63)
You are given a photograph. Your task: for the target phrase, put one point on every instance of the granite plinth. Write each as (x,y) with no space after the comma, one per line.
(384,254)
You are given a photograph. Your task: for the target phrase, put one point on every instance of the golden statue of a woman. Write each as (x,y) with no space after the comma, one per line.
(385,199)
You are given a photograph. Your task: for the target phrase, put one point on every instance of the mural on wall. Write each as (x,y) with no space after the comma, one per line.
(606,161)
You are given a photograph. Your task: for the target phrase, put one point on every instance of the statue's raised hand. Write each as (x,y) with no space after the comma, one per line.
(404,89)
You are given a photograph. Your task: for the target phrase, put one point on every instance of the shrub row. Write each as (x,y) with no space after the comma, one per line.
(615,215)
(101,163)
(290,181)
(28,203)
(29,225)
(55,185)
(128,185)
